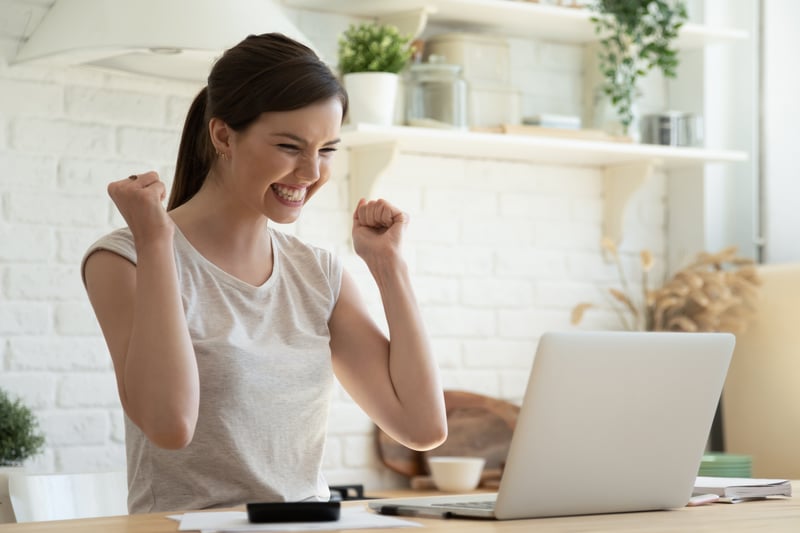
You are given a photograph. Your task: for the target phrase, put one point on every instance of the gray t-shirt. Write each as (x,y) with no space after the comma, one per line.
(266,378)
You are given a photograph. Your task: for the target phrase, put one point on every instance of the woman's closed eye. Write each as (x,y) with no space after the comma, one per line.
(296,149)
(289,147)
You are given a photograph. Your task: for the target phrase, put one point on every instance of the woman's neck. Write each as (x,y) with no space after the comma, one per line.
(234,240)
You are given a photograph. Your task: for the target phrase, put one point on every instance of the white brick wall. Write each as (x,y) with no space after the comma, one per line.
(500,251)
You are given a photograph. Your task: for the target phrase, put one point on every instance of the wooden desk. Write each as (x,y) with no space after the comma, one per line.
(773,516)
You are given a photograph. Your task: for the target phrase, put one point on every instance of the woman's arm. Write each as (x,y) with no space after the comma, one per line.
(395,380)
(140,312)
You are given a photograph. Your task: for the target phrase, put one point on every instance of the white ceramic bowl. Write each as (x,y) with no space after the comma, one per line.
(456,474)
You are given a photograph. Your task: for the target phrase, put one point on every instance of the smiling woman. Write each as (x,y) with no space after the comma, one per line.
(225,334)
(268,160)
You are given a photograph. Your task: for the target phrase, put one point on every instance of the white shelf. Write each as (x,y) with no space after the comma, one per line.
(547,150)
(625,165)
(507,17)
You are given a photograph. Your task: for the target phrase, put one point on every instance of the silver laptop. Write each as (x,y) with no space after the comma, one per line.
(611,422)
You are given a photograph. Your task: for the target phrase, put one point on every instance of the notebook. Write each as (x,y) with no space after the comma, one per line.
(739,489)
(610,422)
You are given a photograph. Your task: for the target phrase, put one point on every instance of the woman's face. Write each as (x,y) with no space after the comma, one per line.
(284,157)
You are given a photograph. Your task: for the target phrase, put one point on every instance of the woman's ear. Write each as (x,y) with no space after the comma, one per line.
(220,136)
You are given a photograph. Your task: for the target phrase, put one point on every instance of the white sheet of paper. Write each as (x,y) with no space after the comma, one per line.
(234,521)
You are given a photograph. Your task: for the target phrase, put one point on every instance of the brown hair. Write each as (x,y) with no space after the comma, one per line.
(268,72)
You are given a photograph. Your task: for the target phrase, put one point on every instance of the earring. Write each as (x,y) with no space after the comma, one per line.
(222,155)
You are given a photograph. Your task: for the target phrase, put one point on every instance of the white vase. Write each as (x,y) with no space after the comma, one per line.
(607,119)
(6,511)
(372,97)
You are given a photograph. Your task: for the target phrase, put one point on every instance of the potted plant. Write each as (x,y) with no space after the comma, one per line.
(371,56)
(20,439)
(639,36)
(716,292)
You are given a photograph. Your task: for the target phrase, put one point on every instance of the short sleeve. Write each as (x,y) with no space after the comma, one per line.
(119,242)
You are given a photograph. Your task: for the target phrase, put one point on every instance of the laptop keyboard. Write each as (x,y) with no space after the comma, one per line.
(484,504)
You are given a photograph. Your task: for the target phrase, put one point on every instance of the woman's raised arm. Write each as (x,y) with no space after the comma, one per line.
(395,380)
(141,315)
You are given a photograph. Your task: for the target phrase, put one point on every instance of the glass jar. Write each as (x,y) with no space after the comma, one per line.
(436,95)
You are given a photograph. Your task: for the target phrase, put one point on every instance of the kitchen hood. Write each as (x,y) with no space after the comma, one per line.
(176,39)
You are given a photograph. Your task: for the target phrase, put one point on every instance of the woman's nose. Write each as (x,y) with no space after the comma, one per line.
(308,167)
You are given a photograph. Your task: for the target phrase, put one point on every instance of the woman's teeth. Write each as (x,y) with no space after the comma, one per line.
(289,193)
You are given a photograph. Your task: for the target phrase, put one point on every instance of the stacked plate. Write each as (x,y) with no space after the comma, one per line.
(725,465)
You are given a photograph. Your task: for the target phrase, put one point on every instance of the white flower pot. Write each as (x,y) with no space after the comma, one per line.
(6,511)
(372,97)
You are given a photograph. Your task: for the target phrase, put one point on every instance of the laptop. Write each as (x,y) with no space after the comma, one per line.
(611,422)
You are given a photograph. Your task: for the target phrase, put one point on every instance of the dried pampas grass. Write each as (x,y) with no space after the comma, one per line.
(716,292)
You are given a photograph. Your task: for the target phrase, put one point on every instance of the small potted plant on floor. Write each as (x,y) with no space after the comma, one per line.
(20,439)
(370,58)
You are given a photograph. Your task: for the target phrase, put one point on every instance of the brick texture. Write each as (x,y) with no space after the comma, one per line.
(500,251)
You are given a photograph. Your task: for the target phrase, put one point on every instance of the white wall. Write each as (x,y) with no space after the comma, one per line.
(716,206)
(781,119)
(499,251)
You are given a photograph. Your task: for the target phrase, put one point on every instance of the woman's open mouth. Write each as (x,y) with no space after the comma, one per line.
(289,195)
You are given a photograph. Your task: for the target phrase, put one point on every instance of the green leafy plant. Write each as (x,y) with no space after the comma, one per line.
(19,432)
(639,36)
(373,47)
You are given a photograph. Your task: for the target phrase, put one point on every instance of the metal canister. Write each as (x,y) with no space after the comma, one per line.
(673,128)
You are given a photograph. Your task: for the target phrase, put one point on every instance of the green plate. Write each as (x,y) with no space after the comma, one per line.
(726,465)
(727,458)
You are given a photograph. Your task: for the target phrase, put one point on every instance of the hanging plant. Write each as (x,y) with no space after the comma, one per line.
(639,36)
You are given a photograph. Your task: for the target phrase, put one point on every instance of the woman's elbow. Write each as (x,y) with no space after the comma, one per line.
(175,435)
(428,438)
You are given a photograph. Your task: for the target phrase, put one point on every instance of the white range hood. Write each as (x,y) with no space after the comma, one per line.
(176,39)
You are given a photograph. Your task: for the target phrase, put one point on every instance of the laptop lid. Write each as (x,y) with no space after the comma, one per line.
(610,422)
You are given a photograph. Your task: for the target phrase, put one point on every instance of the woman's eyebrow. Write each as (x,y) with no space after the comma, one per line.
(300,140)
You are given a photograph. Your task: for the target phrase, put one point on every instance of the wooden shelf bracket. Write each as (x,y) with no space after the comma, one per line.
(368,163)
(620,182)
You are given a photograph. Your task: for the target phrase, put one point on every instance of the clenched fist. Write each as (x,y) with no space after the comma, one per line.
(139,200)
(378,229)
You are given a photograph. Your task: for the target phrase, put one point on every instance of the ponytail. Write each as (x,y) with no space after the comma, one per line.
(195,153)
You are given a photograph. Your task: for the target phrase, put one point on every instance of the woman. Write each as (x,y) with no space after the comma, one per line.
(224,333)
